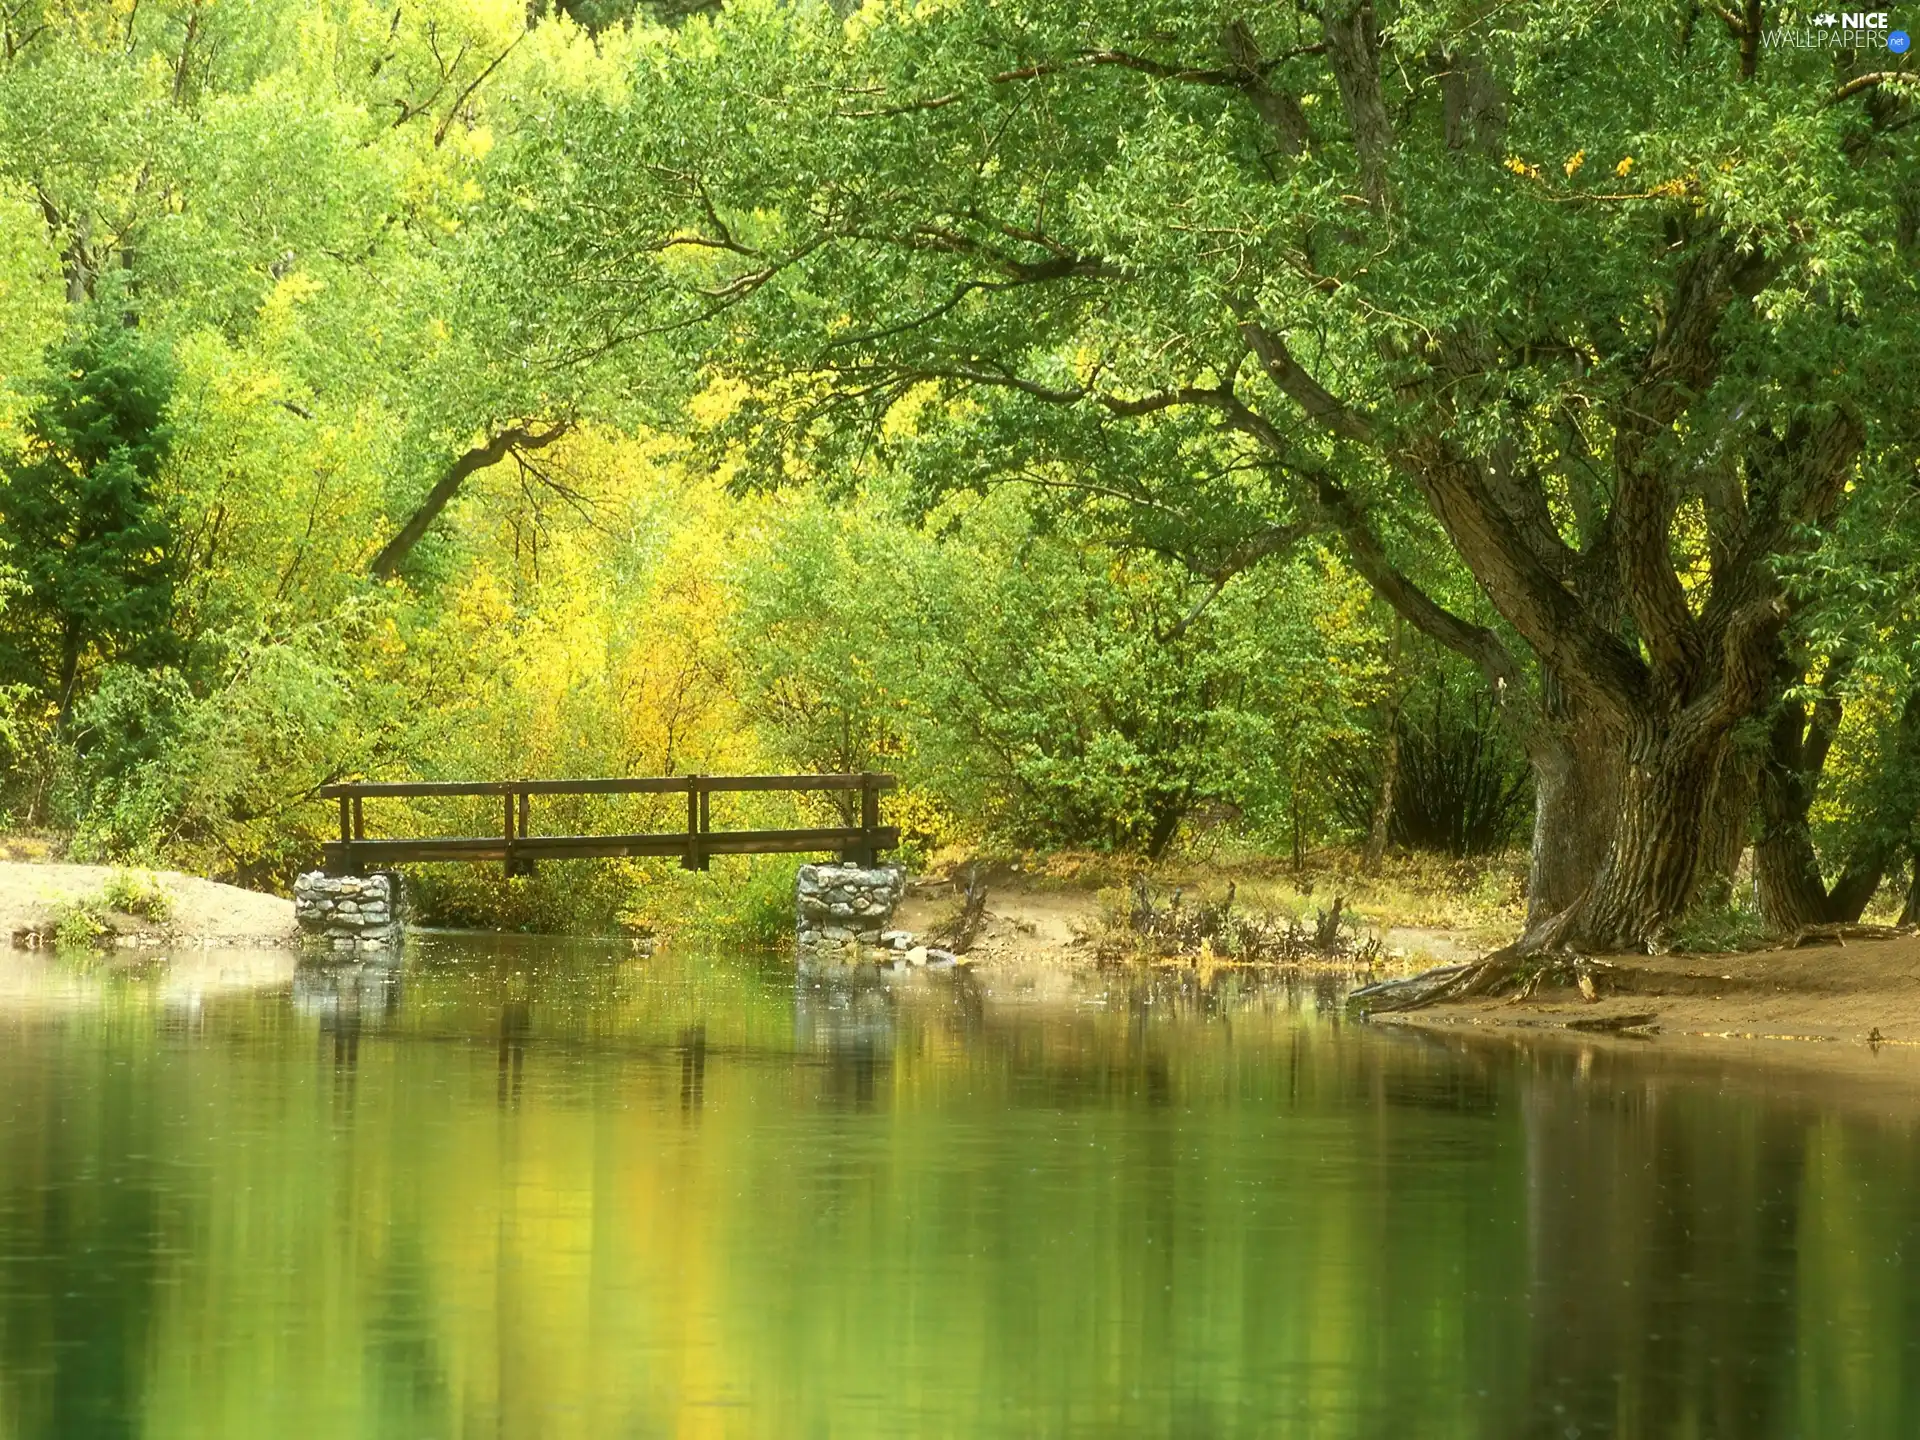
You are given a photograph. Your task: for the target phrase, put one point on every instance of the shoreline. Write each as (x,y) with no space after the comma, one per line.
(1860,992)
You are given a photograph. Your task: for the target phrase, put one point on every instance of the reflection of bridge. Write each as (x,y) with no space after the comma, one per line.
(517,847)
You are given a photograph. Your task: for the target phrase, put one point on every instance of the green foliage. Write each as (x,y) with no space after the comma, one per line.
(1462,786)
(90,540)
(139,895)
(78,925)
(1720,925)
(1060,691)
(744,902)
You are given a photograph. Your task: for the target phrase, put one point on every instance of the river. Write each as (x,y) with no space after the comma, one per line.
(533,1189)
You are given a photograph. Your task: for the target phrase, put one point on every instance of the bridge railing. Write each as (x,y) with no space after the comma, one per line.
(517,847)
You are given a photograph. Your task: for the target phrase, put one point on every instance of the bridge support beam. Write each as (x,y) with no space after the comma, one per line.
(349,912)
(842,908)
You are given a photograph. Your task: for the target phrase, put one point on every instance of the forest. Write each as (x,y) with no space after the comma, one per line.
(1147,429)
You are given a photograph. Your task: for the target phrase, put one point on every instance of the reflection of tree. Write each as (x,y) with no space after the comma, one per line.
(1145,1204)
(693,1068)
(82,1231)
(1661,1244)
(516,1024)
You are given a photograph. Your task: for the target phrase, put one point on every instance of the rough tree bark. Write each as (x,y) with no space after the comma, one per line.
(1575,780)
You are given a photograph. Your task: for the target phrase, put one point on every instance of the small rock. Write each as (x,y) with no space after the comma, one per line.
(917,955)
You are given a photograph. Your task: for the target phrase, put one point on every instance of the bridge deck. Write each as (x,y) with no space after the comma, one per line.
(518,848)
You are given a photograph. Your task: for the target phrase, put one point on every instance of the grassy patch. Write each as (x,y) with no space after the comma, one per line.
(1726,925)
(79,925)
(139,895)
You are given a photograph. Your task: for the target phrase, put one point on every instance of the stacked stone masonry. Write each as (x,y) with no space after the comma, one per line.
(843,908)
(348,912)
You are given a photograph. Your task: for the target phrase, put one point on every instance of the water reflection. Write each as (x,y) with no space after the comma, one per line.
(541,1192)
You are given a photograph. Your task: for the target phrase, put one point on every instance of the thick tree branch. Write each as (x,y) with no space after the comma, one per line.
(1353,49)
(1680,366)
(495,449)
(1871,81)
(1279,109)
(1322,406)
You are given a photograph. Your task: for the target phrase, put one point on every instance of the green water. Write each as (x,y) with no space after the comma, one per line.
(526,1191)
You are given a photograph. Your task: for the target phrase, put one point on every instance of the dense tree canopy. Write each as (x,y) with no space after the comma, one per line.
(1167,388)
(1605,304)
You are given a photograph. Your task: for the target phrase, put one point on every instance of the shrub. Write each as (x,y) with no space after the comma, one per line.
(78,925)
(136,894)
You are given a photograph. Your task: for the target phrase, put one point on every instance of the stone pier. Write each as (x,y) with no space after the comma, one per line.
(843,908)
(349,912)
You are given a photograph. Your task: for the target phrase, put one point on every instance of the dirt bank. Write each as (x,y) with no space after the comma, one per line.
(33,896)
(1030,921)
(1858,991)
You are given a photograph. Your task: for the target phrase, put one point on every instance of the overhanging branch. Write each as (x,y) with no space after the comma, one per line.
(490,452)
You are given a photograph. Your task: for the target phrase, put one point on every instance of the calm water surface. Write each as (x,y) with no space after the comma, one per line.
(535,1191)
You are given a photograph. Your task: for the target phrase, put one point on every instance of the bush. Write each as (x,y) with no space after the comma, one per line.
(77,925)
(744,901)
(139,895)
(1464,787)
(563,897)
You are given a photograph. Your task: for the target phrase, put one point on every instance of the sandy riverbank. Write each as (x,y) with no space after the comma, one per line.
(1864,991)
(1860,991)
(32,897)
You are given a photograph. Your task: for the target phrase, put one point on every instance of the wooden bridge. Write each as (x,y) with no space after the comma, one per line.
(517,847)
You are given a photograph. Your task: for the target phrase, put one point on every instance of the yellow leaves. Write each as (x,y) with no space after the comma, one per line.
(1574,162)
(718,402)
(1522,168)
(1691,549)
(1625,167)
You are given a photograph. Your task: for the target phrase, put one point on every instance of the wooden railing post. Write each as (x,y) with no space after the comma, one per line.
(693,860)
(525,867)
(869,815)
(346,833)
(506,864)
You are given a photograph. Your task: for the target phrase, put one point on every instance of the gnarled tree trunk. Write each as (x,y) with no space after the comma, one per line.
(1575,777)
(1655,852)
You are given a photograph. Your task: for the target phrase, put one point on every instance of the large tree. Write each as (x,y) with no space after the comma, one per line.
(1608,304)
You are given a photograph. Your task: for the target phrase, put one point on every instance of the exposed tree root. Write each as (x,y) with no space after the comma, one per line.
(1537,956)
(1840,934)
(1505,972)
